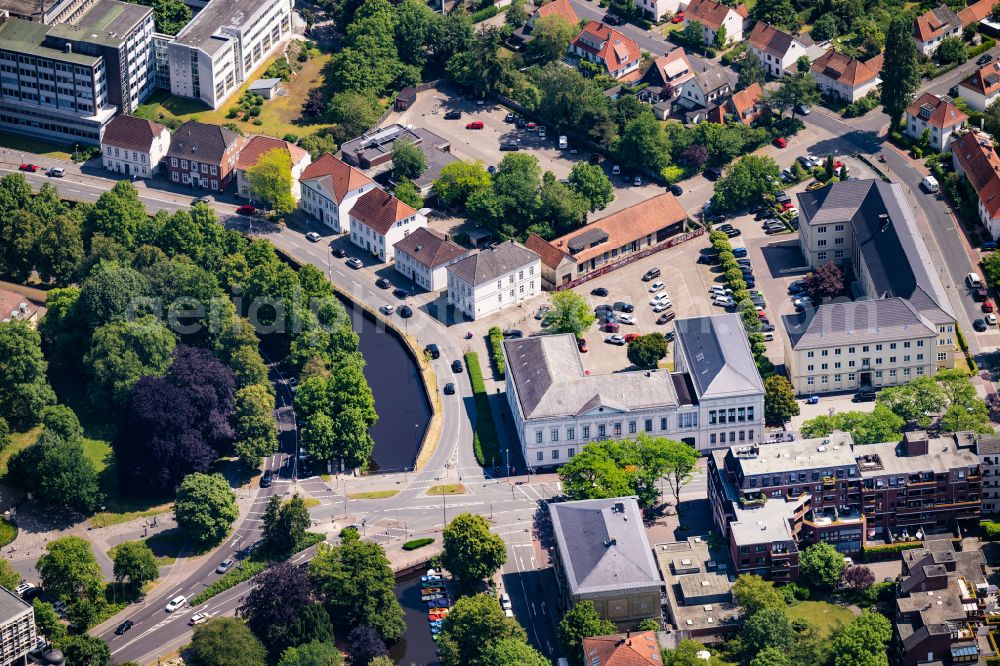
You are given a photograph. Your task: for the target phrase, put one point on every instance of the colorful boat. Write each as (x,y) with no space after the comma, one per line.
(432,590)
(431,597)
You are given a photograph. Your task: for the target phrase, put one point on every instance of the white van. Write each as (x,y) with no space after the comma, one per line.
(973,281)
(929,183)
(563,143)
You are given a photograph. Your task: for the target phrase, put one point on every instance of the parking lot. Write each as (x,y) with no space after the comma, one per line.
(484,144)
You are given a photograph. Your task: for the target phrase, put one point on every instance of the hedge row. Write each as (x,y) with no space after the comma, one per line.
(484,14)
(418,543)
(873,553)
(496,350)
(988,43)
(485,441)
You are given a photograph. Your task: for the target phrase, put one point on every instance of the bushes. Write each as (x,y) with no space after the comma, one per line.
(485,441)
(875,553)
(418,543)
(862,106)
(988,43)
(962,342)
(496,350)
(991,529)
(484,14)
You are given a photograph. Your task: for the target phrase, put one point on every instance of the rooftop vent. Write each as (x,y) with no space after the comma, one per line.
(610,542)
(619,507)
(884,222)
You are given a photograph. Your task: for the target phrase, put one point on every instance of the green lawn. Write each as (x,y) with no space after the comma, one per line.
(15,143)
(18,441)
(374,494)
(8,532)
(824,616)
(447,489)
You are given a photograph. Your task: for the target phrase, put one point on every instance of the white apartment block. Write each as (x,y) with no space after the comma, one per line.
(223,45)
(713,399)
(330,187)
(380,220)
(18,634)
(494,278)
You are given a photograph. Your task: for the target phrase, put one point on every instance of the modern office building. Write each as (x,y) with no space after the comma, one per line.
(699,597)
(222,46)
(46,12)
(18,635)
(769,501)
(898,323)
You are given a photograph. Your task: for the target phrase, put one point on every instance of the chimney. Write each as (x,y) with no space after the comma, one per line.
(915,443)
(68,47)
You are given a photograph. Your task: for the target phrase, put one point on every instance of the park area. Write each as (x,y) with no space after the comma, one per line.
(822,615)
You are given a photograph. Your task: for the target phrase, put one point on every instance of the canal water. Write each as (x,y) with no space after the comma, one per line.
(400,401)
(416,647)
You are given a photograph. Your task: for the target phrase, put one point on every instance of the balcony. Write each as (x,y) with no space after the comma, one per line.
(829,480)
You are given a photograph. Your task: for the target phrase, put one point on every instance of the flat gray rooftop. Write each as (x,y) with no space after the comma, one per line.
(200,32)
(28,37)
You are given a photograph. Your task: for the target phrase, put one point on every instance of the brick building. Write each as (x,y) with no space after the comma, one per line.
(203,155)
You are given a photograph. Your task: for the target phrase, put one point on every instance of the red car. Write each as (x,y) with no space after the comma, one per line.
(678,18)
(761,314)
(29,167)
(475,124)
(630,337)
(582,344)
(531,126)
(787,205)
(838,165)
(987,306)
(780,142)
(246,209)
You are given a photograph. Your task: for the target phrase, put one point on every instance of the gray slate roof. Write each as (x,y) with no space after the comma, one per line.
(550,381)
(583,531)
(711,78)
(857,322)
(493,262)
(716,354)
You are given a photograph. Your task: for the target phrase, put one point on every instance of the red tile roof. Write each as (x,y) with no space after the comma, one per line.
(551,255)
(844,69)
(11,307)
(380,210)
(336,176)
(711,14)
(131,133)
(935,22)
(616,49)
(978,159)
(259,144)
(674,64)
(940,113)
(562,8)
(976,12)
(637,648)
(745,100)
(985,80)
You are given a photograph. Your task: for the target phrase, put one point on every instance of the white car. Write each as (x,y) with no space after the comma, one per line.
(804,301)
(724,301)
(991,319)
(198,618)
(176,603)
(616,170)
(387,309)
(659,298)
(615,339)
(661,306)
(814,161)
(313,236)
(656,286)
(505,601)
(627,319)
(719,290)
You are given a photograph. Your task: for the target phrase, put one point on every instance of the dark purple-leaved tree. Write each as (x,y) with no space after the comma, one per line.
(826,281)
(366,644)
(175,425)
(283,611)
(695,154)
(857,577)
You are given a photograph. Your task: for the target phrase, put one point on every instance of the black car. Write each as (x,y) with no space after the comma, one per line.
(707,259)
(456,366)
(622,306)
(669,335)
(339,252)
(726,227)
(733,233)
(265,481)
(382,283)
(513,334)
(404,311)
(767,328)
(651,274)
(864,396)
(520,122)
(399,292)
(449,389)
(612,19)
(123,627)
(453,115)
(510,117)
(983,59)
(599,291)
(433,350)
(509,146)
(540,314)
(713,173)
(979,325)
(676,190)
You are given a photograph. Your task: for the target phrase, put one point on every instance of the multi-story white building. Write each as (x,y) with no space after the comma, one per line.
(982,88)
(934,25)
(712,16)
(379,220)
(134,146)
(260,145)
(988,449)
(901,325)
(222,46)
(424,257)
(846,78)
(494,278)
(713,398)
(18,634)
(619,55)
(938,116)
(329,189)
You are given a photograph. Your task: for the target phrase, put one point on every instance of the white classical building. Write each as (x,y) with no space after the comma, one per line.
(330,188)
(494,278)
(713,398)
(379,220)
(424,257)
(134,146)
(260,145)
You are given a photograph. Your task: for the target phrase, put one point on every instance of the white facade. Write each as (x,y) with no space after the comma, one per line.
(850,93)
(976,99)
(431,279)
(513,285)
(324,207)
(243,185)
(379,244)
(223,45)
(778,65)
(655,10)
(136,162)
(733,24)
(940,136)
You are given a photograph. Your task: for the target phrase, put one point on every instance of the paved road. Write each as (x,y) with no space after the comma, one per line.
(942,84)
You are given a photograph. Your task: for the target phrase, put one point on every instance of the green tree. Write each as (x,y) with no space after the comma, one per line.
(471,552)
(951,50)
(4,434)
(357,586)
(516,14)
(85,650)
(750,72)
(721,38)
(60,250)
(746,182)
(47,620)
(688,653)
(213,644)
(643,144)
(821,565)
(766,628)
(569,313)
(693,35)
(646,350)
(111,292)
(408,193)
(353,440)
(69,570)
(590,182)
(551,35)
(562,210)
(284,526)
(826,27)
(974,418)
(256,430)
(118,214)
(900,70)
(581,621)
(8,577)
(205,508)
(58,471)
(459,180)
(754,594)
(914,400)
(19,235)
(135,563)
(668,458)
(312,654)
(779,400)
(169,15)
(408,159)
(879,425)
(121,353)
(355,113)
(796,90)
(474,624)
(516,185)
(863,641)
(24,389)
(512,651)
(779,13)
(270,181)
(480,67)
(63,329)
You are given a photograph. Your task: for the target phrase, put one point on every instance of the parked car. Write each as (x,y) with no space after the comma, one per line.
(531,127)
(988,246)
(540,314)
(666,317)
(24,589)
(812,400)
(612,19)
(541,132)
(176,603)
(637,181)
(56,172)
(630,337)
(720,290)
(509,118)
(802,110)
(456,365)
(780,142)
(987,306)
(387,309)
(864,396)
(723,301)
(656,286)
(338,252)
(739,252)
(433,350)
(615,340)
(733,233)
(678,18)
(505,601)
(616,170)
(510,145)
(713,173)
(787,175)
(662,305)
(453,115)
(979,325)
(627,319)
(513,334)
(659,298)
(980,294)
(475,125)
(651,274)
(983,59)
(767,328)
(581,343)
(265,479)
(599,291)
(355,263)
(383,283)
(399,292)
(29,167)
(622,306)
(991,319)
(676,190)
(815,185)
